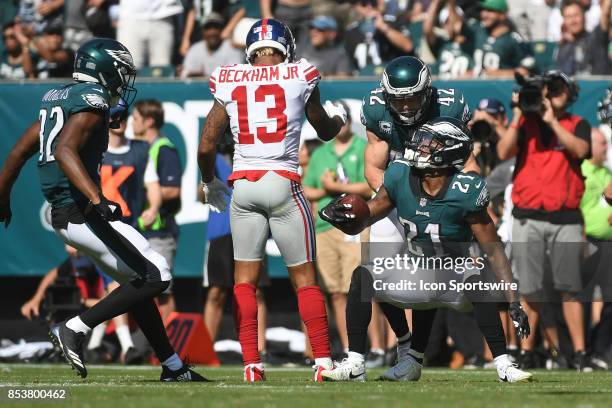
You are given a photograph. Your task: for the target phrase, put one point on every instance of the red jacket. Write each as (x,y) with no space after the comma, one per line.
(546,177)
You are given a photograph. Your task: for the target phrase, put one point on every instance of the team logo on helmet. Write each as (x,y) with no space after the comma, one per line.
(122,56)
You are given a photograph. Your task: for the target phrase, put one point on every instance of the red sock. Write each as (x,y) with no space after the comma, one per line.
(312,311)
(245,315)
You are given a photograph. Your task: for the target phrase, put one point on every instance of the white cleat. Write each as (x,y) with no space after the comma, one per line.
(406,369)
(509,372)
(513,374)
(347,370)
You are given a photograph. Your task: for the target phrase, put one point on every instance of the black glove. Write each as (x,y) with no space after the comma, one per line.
(519,319)
(336,213)
(5,213)
(106,209)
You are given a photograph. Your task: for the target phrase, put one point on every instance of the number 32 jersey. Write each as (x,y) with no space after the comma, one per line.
(265,105)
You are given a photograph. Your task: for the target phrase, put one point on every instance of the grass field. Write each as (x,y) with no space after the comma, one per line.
(118,387)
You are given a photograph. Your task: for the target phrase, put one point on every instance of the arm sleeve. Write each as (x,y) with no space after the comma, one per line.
(310,75)
(583,131)
(478,196)
(169,167)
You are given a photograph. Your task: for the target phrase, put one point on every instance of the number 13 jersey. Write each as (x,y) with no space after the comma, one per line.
(265,105)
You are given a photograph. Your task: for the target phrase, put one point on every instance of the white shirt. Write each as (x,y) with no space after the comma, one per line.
(265,105)
(199,60)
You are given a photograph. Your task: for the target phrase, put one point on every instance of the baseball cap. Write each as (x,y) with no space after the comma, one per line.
(212,18)
(324,23)
(495,5)
(492,106)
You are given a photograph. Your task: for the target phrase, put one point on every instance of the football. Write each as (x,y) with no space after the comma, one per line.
(361,211)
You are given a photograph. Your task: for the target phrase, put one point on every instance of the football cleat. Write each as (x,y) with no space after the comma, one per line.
(71,344)
(183,374)
(347,370)
(319,368)
(254,373)
(507,371)
(406,369)
(375,358)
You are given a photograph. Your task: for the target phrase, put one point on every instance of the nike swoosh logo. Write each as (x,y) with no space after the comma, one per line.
(352,376)
(98,89)
(478,185)
(461,100)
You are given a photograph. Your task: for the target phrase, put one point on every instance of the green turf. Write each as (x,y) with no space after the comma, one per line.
(118,387)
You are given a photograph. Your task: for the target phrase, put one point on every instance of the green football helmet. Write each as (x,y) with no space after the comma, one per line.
(442,142)
(406,84)
(109,63)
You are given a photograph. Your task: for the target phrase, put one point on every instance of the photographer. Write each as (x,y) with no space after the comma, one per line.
(550,144)
(487,124)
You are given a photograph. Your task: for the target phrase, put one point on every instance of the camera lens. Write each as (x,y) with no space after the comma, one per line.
(481,130)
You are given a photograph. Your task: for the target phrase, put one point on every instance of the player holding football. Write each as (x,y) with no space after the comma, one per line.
(441,210)
(263,102)
(70,136)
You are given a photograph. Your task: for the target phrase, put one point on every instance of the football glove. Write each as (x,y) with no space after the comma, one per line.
(215,194)
(337,213)
(335,110)
(519,319)
(5,213)
(106,209)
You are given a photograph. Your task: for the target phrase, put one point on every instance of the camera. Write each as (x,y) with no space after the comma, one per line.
(482,131)
(530,93)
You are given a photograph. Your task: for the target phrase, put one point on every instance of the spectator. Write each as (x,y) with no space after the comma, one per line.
(146,28)
(336,168)
(55,61)
(76,31)
(555,21)
(376,38)
(598,228)
(498,51)
(165,168)
(452,50)
(548,186)
(16,61)
(295,13)
(213,51)
(97,17)
(197,10)
(582,52)
(35,15)
(243,14)
(489,121)
(322,51)
(531,17)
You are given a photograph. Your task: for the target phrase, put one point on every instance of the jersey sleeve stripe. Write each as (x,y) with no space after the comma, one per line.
(312,75)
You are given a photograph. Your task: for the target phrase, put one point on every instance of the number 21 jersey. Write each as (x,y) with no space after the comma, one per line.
(265,105)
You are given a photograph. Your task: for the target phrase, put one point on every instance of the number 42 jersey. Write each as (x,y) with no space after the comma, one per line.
(265,105)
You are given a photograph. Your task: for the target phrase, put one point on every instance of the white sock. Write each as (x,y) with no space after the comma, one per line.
(324,362)
(377,351)
(76,325)
(356,357)
(125,337)
(173,362)
(97,334)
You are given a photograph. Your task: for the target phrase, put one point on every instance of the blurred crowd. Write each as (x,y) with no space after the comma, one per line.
(188,38)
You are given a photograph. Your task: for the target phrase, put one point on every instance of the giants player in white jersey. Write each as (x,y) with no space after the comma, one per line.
(264,102)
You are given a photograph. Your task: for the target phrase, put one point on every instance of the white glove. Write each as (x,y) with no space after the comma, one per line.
(214,194)
(335,110)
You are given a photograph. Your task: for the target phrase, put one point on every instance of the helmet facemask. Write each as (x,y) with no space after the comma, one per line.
(427,150)
(409,108)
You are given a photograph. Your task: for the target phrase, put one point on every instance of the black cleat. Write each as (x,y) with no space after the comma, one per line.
(582,363)
(183,374)
(132,357)
(71,344)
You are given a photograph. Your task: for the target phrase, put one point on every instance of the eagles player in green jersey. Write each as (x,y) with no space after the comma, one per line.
(70,137)
(437,205)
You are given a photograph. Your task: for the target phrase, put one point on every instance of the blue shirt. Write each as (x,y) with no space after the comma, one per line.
(219,223)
